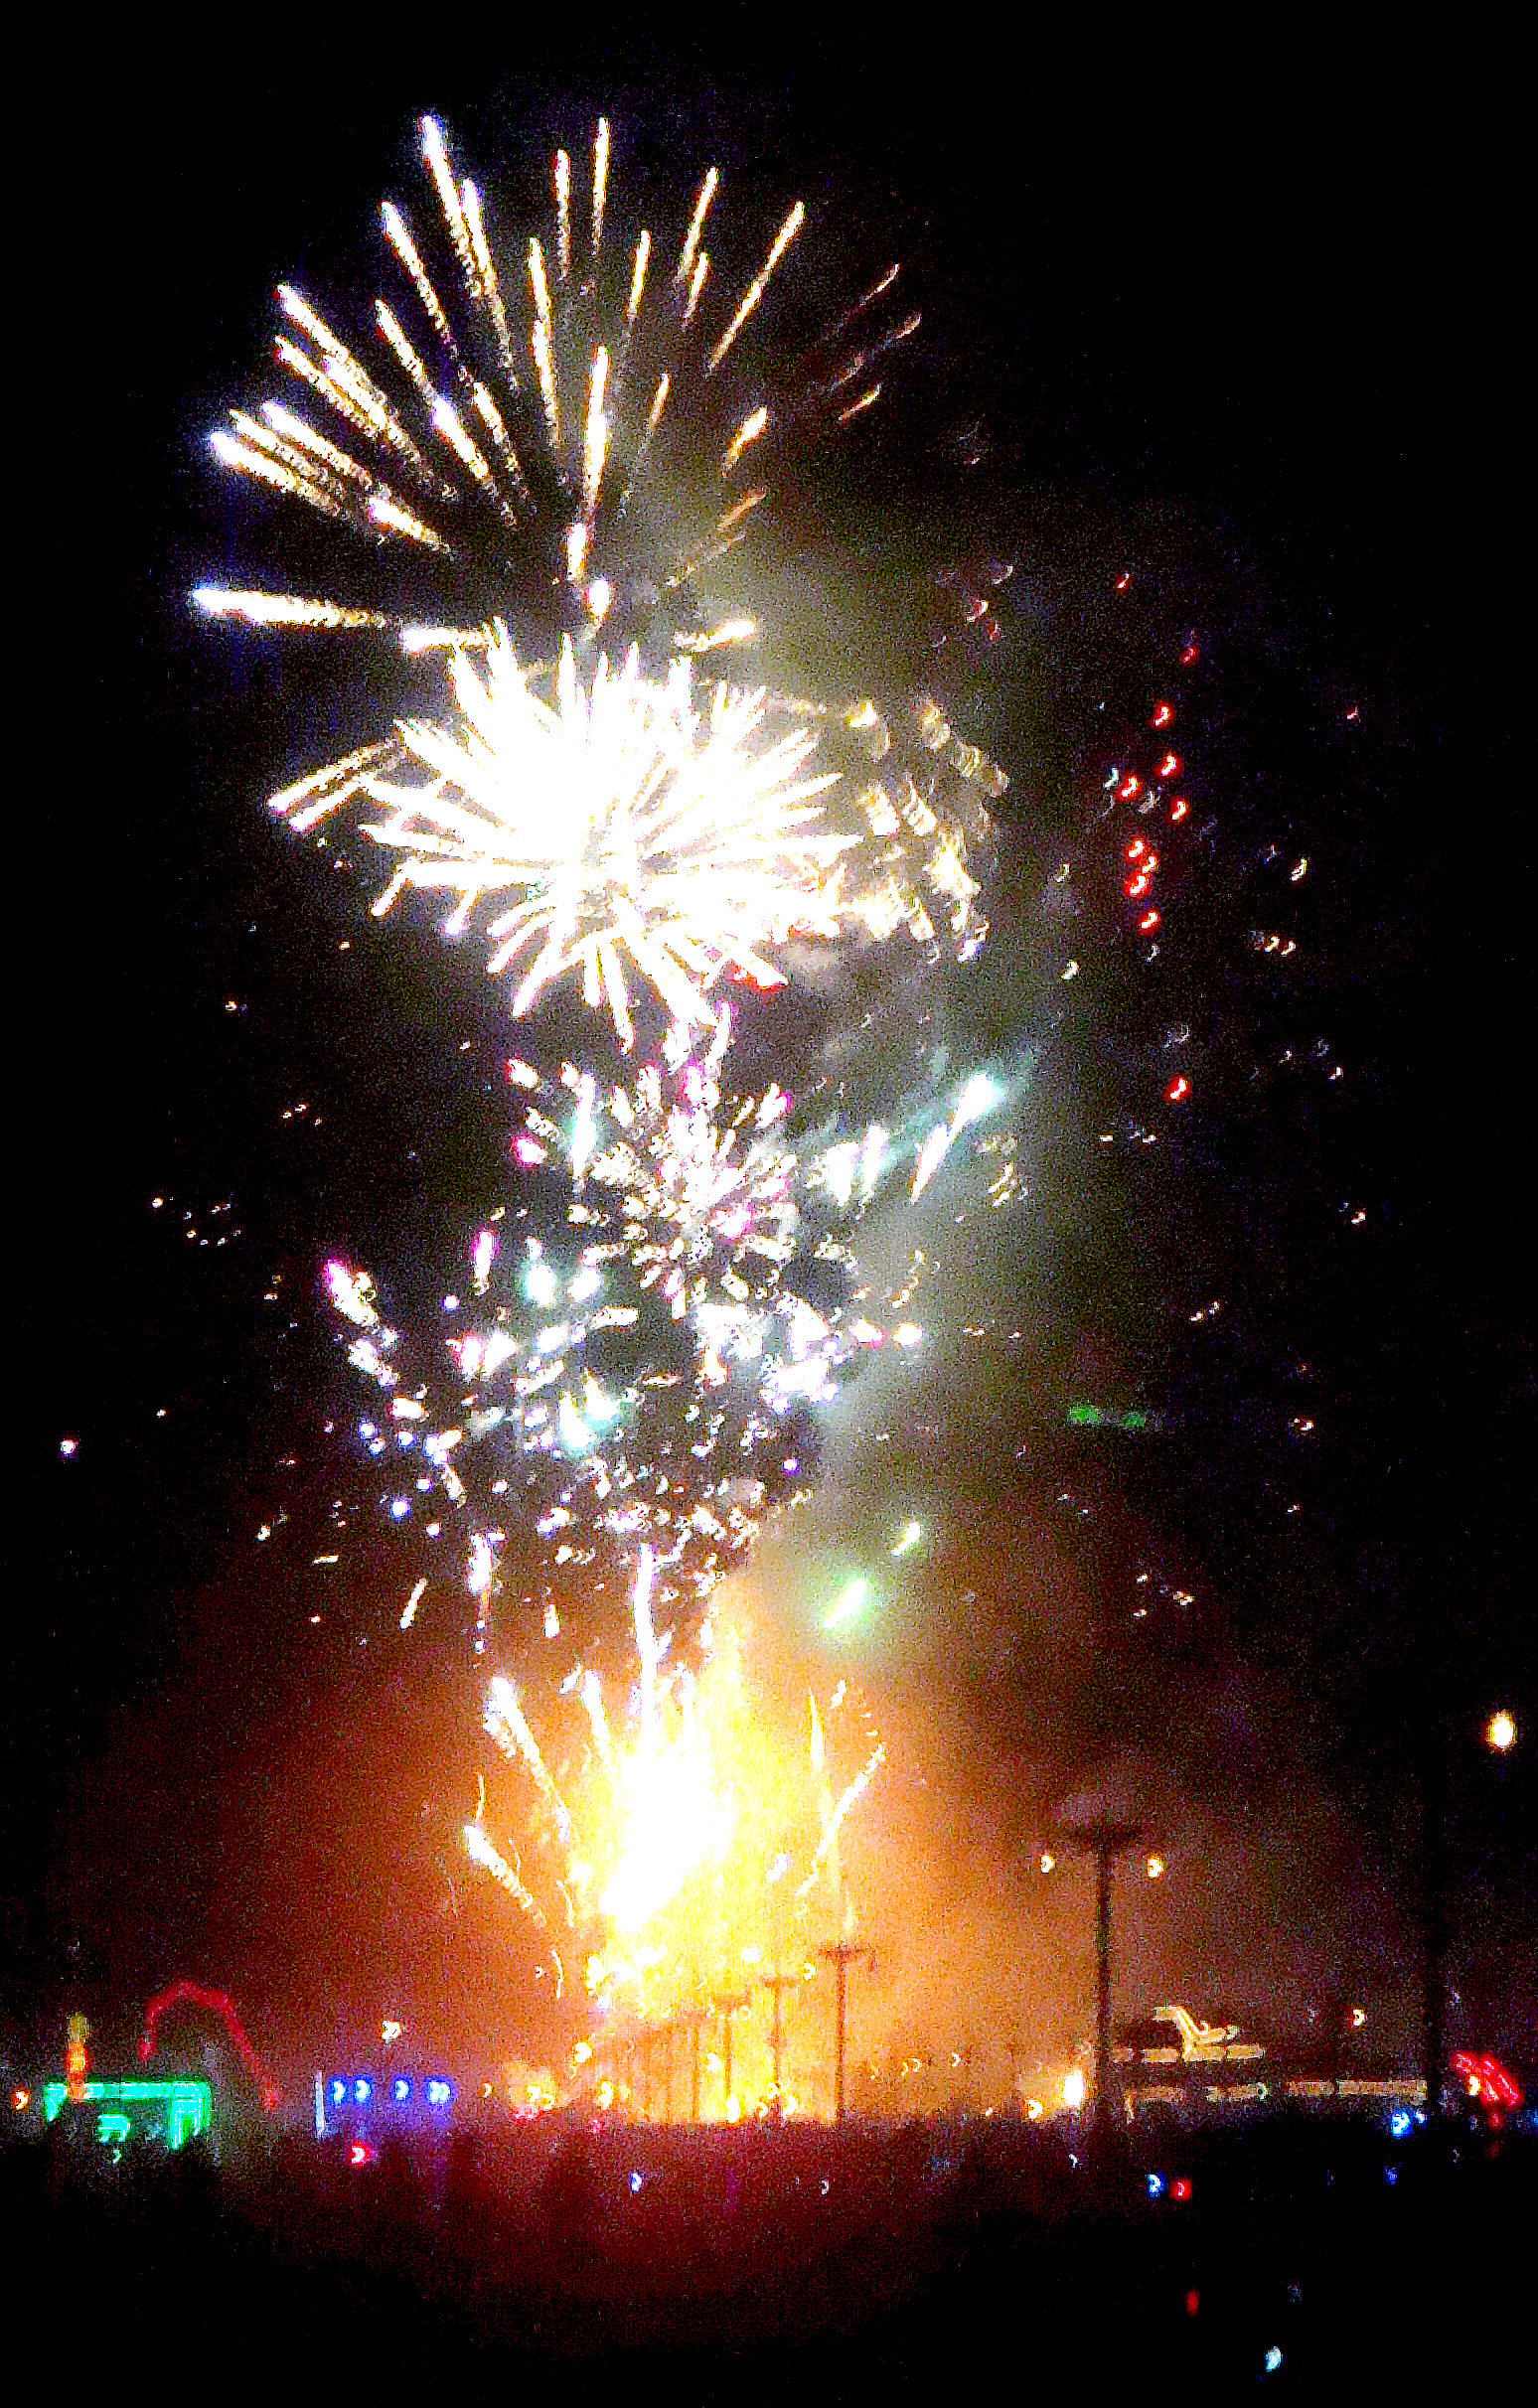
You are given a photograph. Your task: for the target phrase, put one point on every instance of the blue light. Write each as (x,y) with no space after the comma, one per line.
(439,2092)
(401,2089)
(635,2182)
(337,2090)
(1273,2358)
(1391,2173)
(362,2090)
(1400,2122)
(1156,2183)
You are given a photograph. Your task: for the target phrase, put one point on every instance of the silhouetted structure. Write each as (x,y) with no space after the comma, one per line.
(1105,1839)
(728,2005)
(839,1954)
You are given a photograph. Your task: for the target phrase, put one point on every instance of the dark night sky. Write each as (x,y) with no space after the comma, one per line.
(1271,337)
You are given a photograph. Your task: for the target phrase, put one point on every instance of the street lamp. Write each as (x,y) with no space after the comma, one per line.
(1105,1839)
(1501,1730)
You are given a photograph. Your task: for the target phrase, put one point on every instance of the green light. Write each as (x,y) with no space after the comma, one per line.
(854,1597)
(188,2108)
(909,1540)
(1107,1416)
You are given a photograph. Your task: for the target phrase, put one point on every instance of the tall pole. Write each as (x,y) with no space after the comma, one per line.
(1433,1931)
(839,1954)
(728,2005)
(1016,2054)
(776,1982)
(1104,1839)
(1103,1863)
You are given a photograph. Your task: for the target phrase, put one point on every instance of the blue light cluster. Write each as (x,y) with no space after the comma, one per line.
(357,2090)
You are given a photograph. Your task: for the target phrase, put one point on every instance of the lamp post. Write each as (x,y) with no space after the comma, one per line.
(1499,1734)
(1105,1839)
(728,2005)
(839,1954)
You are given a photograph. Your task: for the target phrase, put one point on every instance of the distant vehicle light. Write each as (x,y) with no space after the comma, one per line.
(1180,2188)
(1501,1732)
(1156,2183)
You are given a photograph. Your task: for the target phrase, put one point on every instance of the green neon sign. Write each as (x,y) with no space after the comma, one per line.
(187,2108)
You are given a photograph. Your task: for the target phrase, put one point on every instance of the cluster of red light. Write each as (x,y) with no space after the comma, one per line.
(1140,857)
(1486,2079)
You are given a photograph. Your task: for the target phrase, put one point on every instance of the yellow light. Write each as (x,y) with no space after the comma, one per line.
(1074,2089)
(1155,1868)
(733,2109)
(390,2029)
(582,2052)
(1501,1732)
(752,1954)
(1358,2018)
(1048,1860)
(20,2100)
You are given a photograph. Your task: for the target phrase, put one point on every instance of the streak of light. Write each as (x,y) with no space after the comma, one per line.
(755,291)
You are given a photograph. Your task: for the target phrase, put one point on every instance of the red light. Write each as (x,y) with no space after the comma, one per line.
(1178,1089)
(1486,2078)
(1180,2188)
(1190,654)
(1123,581)
(20,2100)
(1137,886)
(1179,808)
(1169,765)
(1135,848)
(212,2001)
(1149,922)
(1193,2302)
(1162,715)
(359,2153)
(1131,784)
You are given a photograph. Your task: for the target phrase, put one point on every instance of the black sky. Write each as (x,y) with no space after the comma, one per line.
(1270,318)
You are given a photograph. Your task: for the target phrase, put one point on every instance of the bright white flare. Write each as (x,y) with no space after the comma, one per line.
(624,822)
